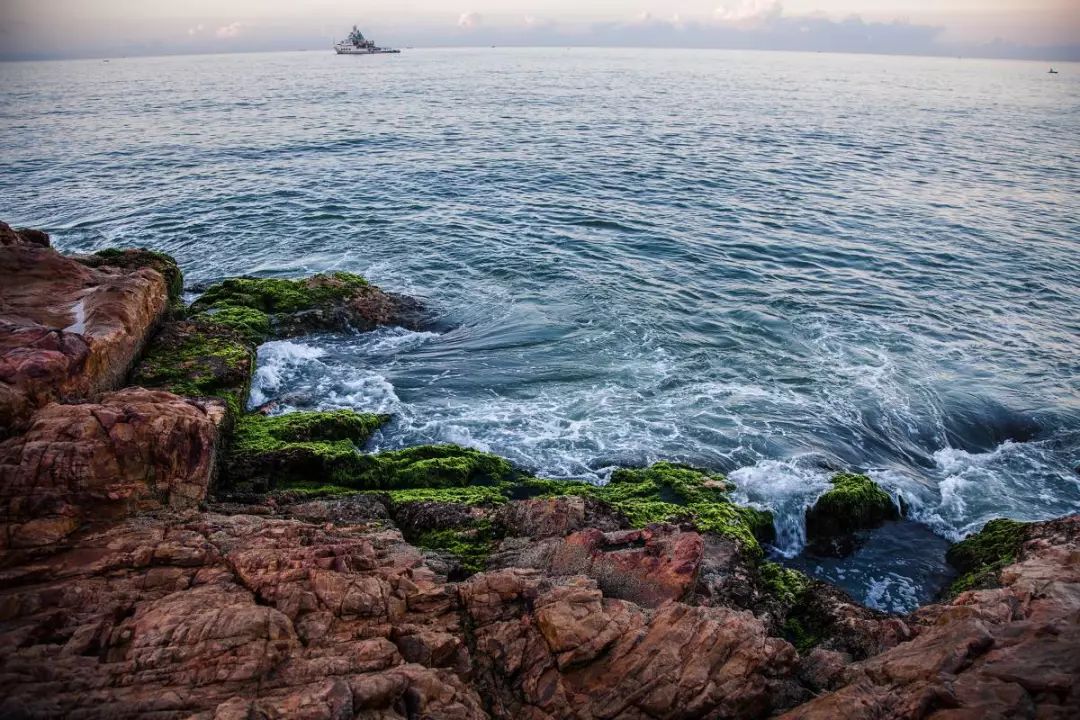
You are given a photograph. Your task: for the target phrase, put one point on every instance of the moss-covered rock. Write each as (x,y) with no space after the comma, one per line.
(471,546)
(980,557)
(278,295)
(308,447)
(431,466)
(670,492)
(134,258)
(854,503)
(252,325)
(198,359)
(322,460)
(276,307)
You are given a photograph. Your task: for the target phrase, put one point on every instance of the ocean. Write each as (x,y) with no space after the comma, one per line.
(775,265)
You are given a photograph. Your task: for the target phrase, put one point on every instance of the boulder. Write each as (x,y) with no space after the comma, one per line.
(67,331)
(276,307)
(134,450)
(854,503)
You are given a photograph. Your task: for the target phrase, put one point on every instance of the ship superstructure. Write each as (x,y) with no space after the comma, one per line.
(357,44)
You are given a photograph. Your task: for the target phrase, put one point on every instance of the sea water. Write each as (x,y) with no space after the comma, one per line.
(775,265)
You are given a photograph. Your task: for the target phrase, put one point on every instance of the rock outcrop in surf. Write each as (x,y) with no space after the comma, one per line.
(166,554)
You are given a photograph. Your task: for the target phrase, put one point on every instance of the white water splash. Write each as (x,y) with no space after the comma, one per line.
(276,362)
(786,489)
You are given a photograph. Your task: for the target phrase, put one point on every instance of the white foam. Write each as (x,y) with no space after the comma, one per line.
(786,489)
(891,593)
(1022,480)
(393,340)
(274,362)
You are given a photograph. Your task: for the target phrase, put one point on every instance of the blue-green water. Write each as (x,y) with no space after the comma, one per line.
(770,264)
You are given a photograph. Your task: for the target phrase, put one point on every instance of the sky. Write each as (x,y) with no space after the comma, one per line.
(1036,29)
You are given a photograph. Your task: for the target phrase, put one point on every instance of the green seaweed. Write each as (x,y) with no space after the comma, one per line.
(980,557)
(792,590)
(198,360)
(318,447)
(250,324)
(668,492)
(471,545)
(473,495)
(786,585)
(277,295)
(855,502)
(431,466)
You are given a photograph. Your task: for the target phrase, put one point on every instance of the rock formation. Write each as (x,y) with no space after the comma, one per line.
(67,331)
(165,555)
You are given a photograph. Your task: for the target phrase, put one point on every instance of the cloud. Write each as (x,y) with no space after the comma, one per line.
(227,32)
(195,30)
(747,13)
(470,20)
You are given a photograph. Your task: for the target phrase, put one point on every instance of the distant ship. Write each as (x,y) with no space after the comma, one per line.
(357,44)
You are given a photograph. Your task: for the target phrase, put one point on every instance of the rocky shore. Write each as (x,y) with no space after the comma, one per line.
(165,554)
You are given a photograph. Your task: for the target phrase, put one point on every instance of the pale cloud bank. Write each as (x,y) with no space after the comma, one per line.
(731,24)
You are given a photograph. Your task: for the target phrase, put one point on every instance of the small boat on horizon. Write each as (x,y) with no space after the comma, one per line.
(357,44)
(1053,71)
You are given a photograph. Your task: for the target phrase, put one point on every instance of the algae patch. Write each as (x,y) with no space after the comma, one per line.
(854,503)
(981,557)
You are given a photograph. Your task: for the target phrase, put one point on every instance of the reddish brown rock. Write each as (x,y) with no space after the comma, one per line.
(218,616)
(647,566)
(549,648)
(135,450)
(550,517)
(67,331)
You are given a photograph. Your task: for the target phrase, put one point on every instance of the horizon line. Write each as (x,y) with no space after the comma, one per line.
(140,56)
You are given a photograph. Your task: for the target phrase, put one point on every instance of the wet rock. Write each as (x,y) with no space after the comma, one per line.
(196,359)
(982,555)
(313,447)
(67,331)
(134,450)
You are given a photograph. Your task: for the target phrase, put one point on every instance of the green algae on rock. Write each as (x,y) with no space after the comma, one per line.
(669,492)
(315,447)
(981,556)
(250,324)
(198,359)
(278,295)
(854,503)
(470,546)
(431,466)
(263,308)
(333,460)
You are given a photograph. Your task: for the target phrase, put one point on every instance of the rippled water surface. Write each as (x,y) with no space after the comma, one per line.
(776,265)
